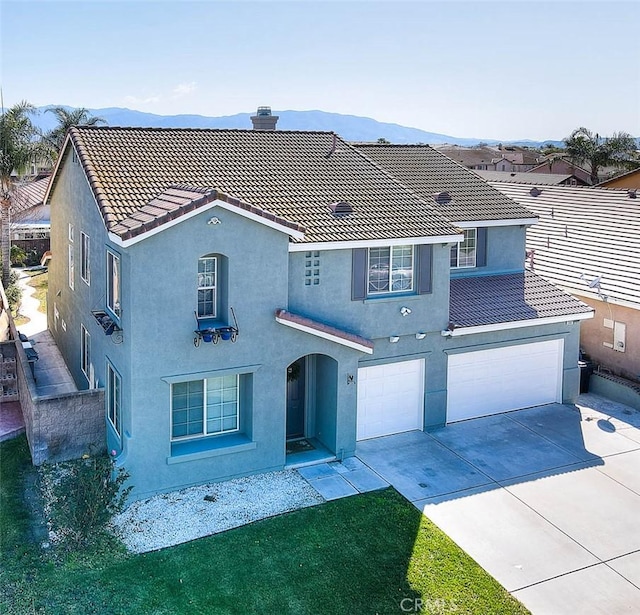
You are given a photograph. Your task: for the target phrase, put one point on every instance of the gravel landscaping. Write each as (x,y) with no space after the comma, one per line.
(172,518)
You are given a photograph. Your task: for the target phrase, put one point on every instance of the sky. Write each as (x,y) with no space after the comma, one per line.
(506,70)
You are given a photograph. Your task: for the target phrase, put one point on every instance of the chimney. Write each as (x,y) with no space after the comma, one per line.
(263,120)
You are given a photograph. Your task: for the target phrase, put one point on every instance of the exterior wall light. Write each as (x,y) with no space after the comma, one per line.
(420,335)
(394,339)
(405,311)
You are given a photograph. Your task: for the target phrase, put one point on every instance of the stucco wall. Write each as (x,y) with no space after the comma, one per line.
(595,335)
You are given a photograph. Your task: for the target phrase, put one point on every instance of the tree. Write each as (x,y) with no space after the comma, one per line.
(582,146)
(18,148)
(383,141)
(54,139)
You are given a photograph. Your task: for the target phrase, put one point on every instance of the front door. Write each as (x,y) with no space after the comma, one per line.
(295,399)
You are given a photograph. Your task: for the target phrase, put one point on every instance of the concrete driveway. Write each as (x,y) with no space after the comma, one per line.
(547,499)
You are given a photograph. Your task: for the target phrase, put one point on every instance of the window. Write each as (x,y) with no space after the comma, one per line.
(113,283)
(464,254)
(84,257)
(72,268)
(390,270)
(85,352)
(207,286)
(114,398)
(205,407)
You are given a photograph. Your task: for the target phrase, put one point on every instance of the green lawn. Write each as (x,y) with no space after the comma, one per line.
(359,555)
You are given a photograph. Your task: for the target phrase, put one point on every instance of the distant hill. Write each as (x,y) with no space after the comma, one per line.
(349,127)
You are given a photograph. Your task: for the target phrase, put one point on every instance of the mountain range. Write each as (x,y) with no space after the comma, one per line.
(349,127)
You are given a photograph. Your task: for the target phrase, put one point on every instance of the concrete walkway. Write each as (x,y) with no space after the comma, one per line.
(547,499)
(29,308)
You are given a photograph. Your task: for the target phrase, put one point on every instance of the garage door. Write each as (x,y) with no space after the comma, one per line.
(390,398)
(490,381)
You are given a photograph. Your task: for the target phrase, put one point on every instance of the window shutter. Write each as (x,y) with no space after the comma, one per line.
(481,247)
(425,257)
(359,274)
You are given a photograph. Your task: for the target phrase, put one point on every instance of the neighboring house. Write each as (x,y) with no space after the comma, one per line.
(630,180)
(516,161)
(481,158)
(588,242)
(30,217)
(235,290)
(530,178)
(492,158)
(560,166)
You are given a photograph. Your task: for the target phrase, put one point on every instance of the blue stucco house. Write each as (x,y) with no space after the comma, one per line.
(255,299)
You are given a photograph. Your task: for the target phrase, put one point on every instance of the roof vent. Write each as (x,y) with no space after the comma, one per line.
(341,209)
(632,194)
(442,197)
(263,120)
(535,191)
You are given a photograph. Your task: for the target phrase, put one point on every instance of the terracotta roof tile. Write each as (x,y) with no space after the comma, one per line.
(281,175)
(428,172)
(488,300)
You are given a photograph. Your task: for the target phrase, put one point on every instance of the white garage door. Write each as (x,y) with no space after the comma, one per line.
(501,379)
(390,398)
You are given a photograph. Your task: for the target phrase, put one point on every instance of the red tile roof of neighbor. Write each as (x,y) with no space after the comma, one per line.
(29,195)
(290,175)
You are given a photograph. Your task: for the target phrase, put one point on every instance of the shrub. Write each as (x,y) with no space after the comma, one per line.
(83,497)
(13,292)
(18,256)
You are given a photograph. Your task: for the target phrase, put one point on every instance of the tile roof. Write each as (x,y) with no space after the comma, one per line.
(468,156)
(488,300)
(292,175)
(324,330)
(583,233)
(178,200)
(428,172)
(29,195)
(523,177)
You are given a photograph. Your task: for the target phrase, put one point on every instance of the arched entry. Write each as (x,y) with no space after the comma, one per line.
(312,394)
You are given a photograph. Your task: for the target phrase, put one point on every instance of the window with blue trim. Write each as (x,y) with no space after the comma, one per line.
(205,407)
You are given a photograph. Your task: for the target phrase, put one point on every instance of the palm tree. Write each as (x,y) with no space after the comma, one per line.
(54,139)
(17,150)
(585,146)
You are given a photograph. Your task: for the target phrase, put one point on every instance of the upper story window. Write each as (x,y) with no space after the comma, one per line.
(208,286)
(84,258)
(72,268)
(463,255)
(383,271)
(390,270)
(113,284)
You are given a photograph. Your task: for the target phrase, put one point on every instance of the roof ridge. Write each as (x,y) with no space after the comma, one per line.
(199,129)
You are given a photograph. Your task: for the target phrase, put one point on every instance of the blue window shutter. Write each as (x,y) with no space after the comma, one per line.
(481,247)
(425,258)
(359,274)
